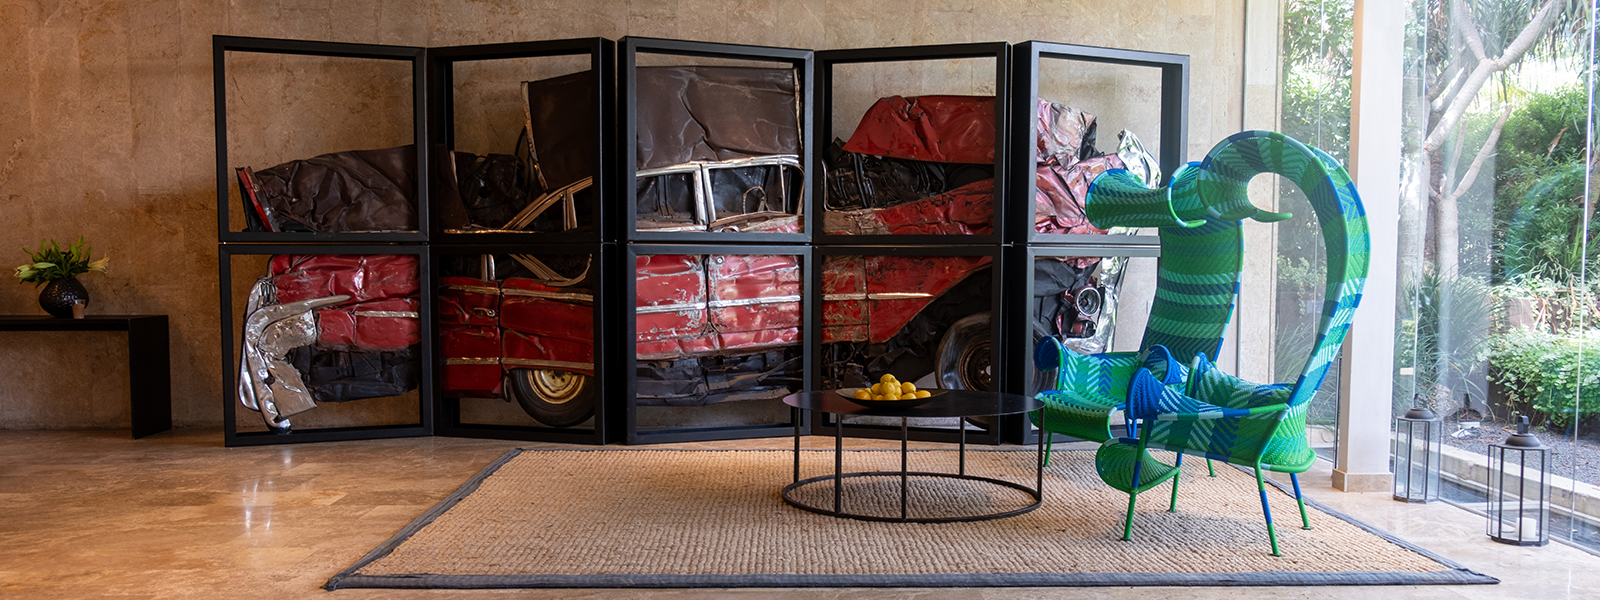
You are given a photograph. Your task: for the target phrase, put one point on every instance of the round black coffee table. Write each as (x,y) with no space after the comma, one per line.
(957,404)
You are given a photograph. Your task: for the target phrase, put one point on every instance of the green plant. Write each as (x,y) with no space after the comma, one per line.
(1449,348)
(51,262)
(1549,372)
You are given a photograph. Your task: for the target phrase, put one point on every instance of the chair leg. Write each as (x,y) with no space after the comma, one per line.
(1178,465)
(1210,469)
(1133,493)
(1272,535)
(1305,522)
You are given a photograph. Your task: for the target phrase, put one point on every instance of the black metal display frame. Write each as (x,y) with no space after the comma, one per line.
(441,90)
(627,357)
(230,368)
(1012,246)
(221,45)
(1019,316)
(447,411)
(999,51)
(1024,129)
(803,62)
(825,426)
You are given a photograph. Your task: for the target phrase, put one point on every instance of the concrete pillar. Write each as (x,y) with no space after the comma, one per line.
(1251,332)
(1367,379)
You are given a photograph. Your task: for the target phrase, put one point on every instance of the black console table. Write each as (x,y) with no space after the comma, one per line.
(149,366)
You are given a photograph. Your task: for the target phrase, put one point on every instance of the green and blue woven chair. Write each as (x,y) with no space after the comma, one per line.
(1197,278)
(1219,416)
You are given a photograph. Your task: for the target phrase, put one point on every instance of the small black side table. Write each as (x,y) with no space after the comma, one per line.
(149,363)
(952,403)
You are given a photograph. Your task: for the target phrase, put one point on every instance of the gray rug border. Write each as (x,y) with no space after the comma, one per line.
(1456,574)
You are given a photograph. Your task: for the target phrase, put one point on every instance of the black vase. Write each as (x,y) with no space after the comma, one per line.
(60,294)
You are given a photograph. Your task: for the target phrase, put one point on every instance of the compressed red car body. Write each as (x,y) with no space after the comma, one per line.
(486,327)
(690,306)
(382,311)
(950,129)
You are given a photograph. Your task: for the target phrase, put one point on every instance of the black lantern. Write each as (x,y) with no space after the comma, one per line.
(1519,489)
(1418,438)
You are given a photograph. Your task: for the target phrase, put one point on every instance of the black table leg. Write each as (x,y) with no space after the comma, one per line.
(794,413)
(1038,484)
(838,463)
(149,376)
(903,438)
(962,454)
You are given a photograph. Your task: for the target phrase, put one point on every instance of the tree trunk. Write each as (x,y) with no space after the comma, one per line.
(1420,178)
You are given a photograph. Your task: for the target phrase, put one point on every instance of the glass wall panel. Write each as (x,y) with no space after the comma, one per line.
(1315,95)
(1495,312)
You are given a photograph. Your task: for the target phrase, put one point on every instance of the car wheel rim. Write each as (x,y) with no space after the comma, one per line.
(556,387)
(974,366)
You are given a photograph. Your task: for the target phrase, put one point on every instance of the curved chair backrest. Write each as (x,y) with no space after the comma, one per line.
(1197,275)
(1197,279)
(1227,171)
(1201,247)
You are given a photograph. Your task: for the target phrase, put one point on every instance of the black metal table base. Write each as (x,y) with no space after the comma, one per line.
(1032,493)
(838,476)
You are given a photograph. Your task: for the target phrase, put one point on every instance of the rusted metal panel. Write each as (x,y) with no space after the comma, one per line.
(671,307)
(755,300)
(359,190)
(361,276)
(690,113)
(382,312)
(1058,203)
(956,129)
(844,293)
(532,308)
(736,277)
(669,279)
(967,210)
(389,324)
(539,352)
(901,286)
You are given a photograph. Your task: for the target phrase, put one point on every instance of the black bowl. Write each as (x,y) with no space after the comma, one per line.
(849,394)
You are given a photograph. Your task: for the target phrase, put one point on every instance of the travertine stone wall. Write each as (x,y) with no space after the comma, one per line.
(106,131)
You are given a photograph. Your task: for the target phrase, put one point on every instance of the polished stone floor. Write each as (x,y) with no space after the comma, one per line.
(94,514)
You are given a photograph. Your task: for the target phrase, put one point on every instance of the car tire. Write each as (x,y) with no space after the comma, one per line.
(554,397)
(963,360)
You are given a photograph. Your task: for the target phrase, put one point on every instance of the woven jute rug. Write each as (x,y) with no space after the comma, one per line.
(683,518)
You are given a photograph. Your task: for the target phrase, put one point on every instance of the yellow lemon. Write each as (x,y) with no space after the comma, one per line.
(877,396)
(877,388)
(891,396)
(887,378)
(923,394)
(863,394)
(908,388)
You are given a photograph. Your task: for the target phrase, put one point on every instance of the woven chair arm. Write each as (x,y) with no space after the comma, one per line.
(1149,399)
(1204,411)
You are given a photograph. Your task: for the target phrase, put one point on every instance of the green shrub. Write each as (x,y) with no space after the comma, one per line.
(1543,370)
